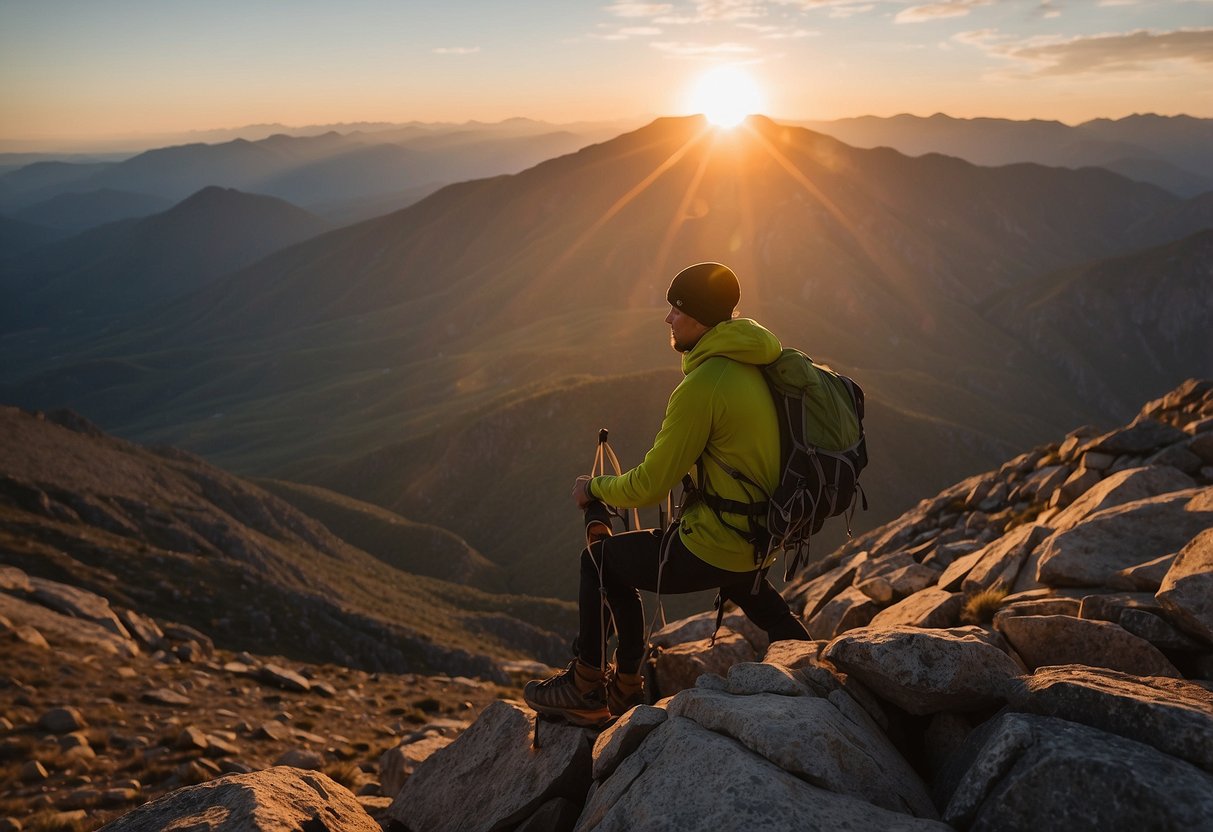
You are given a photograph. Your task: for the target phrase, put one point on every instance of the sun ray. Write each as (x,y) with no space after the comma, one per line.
(623,201)
(680,214)
(878,259)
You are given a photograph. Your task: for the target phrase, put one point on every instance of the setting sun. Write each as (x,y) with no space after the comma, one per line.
(726,95)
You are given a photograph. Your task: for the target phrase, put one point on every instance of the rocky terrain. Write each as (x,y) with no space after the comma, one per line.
(1030,649)
(103,709)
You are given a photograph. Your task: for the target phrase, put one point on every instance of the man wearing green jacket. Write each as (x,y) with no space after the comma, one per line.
(721,412)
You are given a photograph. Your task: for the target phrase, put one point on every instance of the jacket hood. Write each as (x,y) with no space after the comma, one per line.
(740,339)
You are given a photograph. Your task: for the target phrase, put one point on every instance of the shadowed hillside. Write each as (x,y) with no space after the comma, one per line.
(110,271)
(1112,323)
(494,480)
(166,534)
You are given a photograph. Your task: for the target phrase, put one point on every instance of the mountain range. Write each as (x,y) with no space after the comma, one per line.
(454,360)
(343,175)
(1173,152)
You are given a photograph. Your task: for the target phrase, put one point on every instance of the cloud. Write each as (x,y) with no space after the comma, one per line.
(810,5)
(844,11)
(1129,52)
(770,31)
(701,50)
(639,31)
(937,11)
(455,50)
(711,10)
(638,9)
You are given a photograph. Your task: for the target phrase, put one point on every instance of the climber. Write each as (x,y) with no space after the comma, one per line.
(721,411)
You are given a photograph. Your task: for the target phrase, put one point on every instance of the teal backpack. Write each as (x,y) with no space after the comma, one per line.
(822,452)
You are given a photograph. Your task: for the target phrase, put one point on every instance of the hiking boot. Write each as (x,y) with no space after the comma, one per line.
(575,694)
(624,691)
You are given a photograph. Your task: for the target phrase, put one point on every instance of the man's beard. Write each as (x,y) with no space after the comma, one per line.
(680,346)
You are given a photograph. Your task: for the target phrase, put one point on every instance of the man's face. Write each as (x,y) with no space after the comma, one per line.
(685,331)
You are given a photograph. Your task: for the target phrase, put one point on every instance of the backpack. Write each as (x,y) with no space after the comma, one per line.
(822,452)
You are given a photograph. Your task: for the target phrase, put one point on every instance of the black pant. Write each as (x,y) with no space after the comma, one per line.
(629,563)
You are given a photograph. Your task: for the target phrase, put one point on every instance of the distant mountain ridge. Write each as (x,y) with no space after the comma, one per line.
(312,170)
(1174,152)
(75,212)
(121,267)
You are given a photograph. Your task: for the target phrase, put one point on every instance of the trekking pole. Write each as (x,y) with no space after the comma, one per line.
(603,454)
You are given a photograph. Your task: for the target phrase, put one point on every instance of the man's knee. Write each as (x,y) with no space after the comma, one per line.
(591,557)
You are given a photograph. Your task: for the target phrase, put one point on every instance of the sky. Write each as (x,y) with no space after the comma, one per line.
(80,71)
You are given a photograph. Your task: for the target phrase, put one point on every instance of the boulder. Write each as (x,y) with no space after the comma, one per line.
(1039,606)
(1126,486)
(164,696)
(62,721)
(1124,536)
(1158,631)
(685,778)
(1177,456)
(1142,437)
(999,563)
(304,758)
(1186,592)
(697,628)
(1109,606)
(845,611)
(623,737)
(899,583)
(491,777)
(1075,486)
(932,607)
(814,594)
(142,628)
(809,737)
(278,799)
(678,667)
(281,677)
(1174,716)
(1030,773)
(58,628)
(794,654)
(77,603)
(883,565)
(924,671)
(1145,577)
(958,570)
(15,581)
(761,677)
(397,764)
(1043,640)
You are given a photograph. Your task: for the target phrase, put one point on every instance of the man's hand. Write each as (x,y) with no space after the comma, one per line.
(580,497)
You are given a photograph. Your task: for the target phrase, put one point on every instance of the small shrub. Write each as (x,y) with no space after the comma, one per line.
(980,607)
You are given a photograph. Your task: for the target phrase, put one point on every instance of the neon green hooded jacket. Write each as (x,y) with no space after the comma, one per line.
(723,405)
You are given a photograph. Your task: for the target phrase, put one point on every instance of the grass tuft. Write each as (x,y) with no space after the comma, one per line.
(980,607)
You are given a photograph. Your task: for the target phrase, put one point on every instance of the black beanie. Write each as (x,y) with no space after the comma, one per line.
(708,292)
